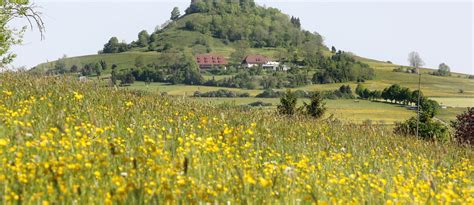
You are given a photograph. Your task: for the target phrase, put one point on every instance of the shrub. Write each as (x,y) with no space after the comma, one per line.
(317,107)
(288,104)
(464,127)
(221,94)
(260,104)
(429,130)
(270,94)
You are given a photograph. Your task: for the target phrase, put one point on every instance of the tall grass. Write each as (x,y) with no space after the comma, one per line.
(66,142)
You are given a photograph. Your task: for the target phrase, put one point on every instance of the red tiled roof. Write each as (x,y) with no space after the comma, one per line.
(256,59)
(208,59)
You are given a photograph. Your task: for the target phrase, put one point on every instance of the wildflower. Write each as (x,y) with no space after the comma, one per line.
(249,179)
(7,93)
(78,96)
(129,104)
(264,182)
(3,142)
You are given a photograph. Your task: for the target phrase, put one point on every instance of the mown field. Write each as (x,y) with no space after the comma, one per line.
(357,111)
(62,141)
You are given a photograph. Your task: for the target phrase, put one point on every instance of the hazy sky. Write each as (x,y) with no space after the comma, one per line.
(441,31)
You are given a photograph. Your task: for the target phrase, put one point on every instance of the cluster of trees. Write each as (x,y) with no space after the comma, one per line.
(403,69)
(242,80)
(178,69)
(344,92)
(230,21)
(221,94)
(341,67)
(395,94)
(316,108)
(92,68)
(244,20)
(114,46)
(443,70)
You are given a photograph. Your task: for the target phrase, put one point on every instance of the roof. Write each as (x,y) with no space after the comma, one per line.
(256,59)
(208,59)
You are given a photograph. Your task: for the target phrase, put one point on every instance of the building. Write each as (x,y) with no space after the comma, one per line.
(209,61)
(254,60)
(259,60)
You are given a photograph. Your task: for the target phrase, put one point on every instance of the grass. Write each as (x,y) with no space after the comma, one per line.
(449,114)
(354,111)
(63,141)
(346,110)
(183,90)
(455,101)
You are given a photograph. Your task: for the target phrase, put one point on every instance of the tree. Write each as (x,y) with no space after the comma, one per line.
(240,52)
(103,64)
(287,103)
(74,69)
(113,77)
(143,38)
(98,69)
(12,10)
(415,61)
(60,65)
(126,79)
(175,13)
(464,127)
(317,107)
(360,90)
(424,126)
(333,49)
(443,70)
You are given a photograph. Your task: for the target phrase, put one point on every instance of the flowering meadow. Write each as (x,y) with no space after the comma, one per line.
(69,142)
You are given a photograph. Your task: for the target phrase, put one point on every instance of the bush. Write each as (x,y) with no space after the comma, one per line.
(288,104)
(317,107)
(260,104)
(429,130)
(221,94)
(464,127)
(270,94)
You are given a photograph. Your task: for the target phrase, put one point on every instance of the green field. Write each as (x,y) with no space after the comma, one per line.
(183,90)
(353,111)
(456,102)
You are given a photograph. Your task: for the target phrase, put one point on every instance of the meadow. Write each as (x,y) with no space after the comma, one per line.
(82,143)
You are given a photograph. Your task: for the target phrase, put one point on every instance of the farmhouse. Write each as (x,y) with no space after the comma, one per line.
(259,60)
(208,61)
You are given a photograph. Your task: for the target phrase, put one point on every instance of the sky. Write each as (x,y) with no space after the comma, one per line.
(441,31)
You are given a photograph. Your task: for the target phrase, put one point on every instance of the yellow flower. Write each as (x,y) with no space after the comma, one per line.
(249,179)
(129,104)
(7,93)
(3,142)
(78,96)
(264,182)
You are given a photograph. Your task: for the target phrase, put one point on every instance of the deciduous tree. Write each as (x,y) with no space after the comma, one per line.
(10,10)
